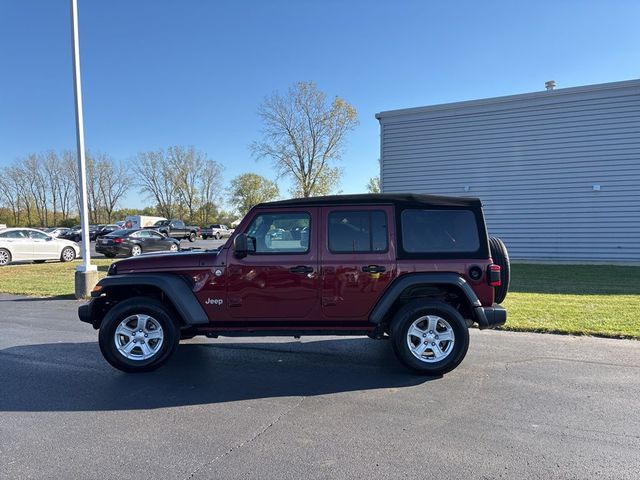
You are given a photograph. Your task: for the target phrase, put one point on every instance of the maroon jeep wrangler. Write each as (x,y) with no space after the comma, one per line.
(416,268)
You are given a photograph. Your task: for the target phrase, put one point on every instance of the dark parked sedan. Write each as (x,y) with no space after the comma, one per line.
(132,242)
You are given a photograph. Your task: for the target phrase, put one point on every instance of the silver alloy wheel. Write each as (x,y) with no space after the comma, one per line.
(136,250)
(68,254)
(173,247)
(5,257)
(139,337)
(430,339)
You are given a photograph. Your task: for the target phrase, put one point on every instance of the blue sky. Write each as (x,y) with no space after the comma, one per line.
(157,73)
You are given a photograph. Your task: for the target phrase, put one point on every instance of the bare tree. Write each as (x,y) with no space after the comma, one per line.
(304,134)
(33,170)
(113,183)
(67,183)
(210,185)
(52,168)
(155,178)
(186,164)
(11,193)
(250,189)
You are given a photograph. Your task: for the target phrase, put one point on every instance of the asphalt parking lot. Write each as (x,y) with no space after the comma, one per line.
(520,406)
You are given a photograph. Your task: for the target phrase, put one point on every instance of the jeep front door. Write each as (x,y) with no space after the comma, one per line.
(278,279)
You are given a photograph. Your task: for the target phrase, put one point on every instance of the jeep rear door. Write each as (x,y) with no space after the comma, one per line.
(279,281)
(358,258)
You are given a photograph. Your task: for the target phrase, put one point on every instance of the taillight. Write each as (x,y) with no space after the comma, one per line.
(117,240)
(493,275)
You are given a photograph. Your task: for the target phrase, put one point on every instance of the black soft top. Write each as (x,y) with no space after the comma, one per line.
(405,199)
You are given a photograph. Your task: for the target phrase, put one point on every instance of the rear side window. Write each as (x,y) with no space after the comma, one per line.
(13,234)
(433,231)
(358,231)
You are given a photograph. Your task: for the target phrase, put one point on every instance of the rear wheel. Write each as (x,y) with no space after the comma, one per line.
(5,257)
(136,250)
(138,335)
(173,247)
(430,337)
(68,254)
(218,236)
(500,256)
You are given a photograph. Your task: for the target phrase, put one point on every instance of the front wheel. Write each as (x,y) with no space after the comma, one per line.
(218,236)
(192,237)
(138,335)
(173,247)
(68,254)
(430,337)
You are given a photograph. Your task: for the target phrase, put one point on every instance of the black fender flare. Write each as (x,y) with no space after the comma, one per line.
(174,287)
(445,278)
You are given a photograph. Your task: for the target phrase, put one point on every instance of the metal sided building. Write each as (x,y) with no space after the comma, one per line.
(558,171)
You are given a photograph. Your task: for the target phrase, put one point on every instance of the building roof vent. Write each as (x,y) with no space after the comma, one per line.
(550,84)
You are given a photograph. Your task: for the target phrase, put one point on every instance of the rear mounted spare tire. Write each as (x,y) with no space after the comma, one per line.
(500,256)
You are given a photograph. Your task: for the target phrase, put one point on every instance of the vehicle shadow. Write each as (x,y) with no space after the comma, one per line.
(74,376)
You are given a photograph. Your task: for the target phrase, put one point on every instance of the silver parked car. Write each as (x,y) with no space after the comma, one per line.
(29,244)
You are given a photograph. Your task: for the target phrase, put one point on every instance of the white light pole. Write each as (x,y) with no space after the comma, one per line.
(86,274)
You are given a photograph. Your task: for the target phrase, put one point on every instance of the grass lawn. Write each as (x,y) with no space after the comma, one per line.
(577,299)
(54,279)
(598,300)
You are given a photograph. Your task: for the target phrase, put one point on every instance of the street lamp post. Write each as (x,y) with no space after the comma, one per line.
(86,274)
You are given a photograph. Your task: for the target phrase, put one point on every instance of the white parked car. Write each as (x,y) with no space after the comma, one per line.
(29,244)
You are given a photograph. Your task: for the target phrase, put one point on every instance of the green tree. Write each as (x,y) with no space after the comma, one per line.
(249,189)
(304,135)
(373,185)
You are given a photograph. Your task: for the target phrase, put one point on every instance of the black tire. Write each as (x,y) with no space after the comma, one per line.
(72,254)
(413,311)
(204,237)
(192,237)
(218,236)
(5,257)
(500,256)
(127,308)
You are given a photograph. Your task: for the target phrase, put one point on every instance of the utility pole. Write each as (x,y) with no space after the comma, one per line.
(86,274)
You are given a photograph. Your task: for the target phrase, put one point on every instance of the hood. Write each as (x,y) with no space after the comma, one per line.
(164,262)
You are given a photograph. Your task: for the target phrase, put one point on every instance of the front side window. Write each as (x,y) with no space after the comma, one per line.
(358,231)
(280,232)
(433,231)
(38,235)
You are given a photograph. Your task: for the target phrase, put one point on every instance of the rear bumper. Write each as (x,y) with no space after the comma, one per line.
(491,317)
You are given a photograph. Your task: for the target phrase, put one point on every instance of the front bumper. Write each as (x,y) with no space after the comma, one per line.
(84,312)
(491,317)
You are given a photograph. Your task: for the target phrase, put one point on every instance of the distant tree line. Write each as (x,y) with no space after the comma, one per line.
(43,189)
(181,182)
(304,135)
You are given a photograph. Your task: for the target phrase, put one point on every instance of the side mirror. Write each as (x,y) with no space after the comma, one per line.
(49,239)
(241,245)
